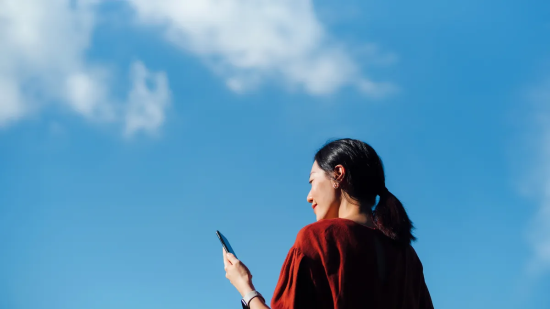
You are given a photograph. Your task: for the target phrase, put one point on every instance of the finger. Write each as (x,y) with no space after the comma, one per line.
(225,261)
(232,259)
(226,257)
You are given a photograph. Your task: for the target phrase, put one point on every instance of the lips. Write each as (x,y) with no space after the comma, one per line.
(313,206)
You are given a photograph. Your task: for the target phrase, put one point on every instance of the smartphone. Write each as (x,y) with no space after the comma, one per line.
(225,243)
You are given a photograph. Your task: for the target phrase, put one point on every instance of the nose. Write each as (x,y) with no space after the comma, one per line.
(309,198)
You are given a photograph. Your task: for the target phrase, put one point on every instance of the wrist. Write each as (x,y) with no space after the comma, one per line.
(247,287)
(253,297)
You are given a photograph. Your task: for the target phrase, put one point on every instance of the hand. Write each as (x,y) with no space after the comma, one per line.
(237,273)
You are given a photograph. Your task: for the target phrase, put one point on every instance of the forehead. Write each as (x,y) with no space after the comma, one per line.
(315,168)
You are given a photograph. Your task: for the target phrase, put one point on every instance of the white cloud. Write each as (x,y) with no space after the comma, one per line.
(11,107)
(540,230)
(248,41)
(146,104)
(43,47)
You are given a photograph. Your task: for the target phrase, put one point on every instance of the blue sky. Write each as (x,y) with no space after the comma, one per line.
(130,131)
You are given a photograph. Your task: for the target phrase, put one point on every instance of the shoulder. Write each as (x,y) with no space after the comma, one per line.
(314,230)
(414,257)
(321,232)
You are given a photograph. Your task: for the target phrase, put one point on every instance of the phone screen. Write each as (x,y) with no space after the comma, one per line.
(225,243)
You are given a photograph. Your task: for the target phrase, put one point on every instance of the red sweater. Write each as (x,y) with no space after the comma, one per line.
(340,264)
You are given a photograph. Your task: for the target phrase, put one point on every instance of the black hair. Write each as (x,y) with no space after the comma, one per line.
(363,181)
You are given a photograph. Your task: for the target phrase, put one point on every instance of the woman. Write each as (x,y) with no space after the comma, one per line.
(352,257)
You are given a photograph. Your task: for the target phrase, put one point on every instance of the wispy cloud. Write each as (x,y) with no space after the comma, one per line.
(146,104)
(250,41)
(43,47)
(43,62)
(540,231)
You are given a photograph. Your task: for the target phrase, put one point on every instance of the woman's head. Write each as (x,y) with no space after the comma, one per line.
(323,196)
(349,168)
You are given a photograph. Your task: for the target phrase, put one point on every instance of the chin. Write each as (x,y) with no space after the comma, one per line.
(322,213)
(320,217)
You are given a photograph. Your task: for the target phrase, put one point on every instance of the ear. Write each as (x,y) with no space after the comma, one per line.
(339,172)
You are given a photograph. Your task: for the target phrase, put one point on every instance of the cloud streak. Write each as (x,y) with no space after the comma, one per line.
(249,41)
(539,235)
(42,62)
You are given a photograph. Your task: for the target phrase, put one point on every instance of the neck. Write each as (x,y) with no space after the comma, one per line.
(356,212)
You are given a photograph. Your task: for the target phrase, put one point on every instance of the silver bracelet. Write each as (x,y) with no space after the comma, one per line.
(249,296)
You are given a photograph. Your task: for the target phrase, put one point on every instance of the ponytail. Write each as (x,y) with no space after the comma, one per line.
(391,218)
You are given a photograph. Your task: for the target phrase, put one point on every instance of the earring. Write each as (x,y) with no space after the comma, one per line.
(335,185)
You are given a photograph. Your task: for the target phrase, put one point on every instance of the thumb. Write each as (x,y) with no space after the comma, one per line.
(231,258)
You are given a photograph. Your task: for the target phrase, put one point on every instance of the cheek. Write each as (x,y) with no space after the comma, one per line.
(317,195)
(324,195)
(325,201)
